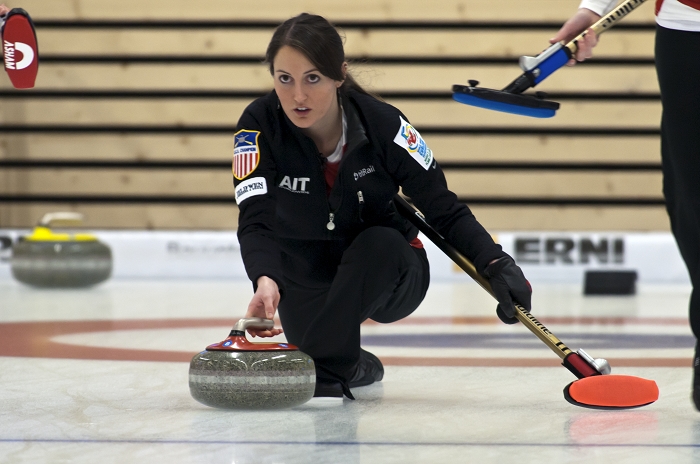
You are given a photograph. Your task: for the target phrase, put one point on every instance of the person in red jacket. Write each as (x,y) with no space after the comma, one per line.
(677,58)
(317,163)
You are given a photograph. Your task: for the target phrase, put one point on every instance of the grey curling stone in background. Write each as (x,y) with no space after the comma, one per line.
(49,259)
(239,374)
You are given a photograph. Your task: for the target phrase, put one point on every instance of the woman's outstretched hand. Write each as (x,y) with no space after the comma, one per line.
(264,304)
(578,23)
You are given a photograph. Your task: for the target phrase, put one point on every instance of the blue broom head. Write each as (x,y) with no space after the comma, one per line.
(505,102)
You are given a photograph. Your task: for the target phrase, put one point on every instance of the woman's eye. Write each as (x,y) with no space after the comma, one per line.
(285,79)
(313,78)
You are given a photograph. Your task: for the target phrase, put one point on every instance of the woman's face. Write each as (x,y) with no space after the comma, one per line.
(308,98)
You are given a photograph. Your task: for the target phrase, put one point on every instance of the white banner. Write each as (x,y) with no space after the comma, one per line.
(544,256)
(154,254)
(564,257)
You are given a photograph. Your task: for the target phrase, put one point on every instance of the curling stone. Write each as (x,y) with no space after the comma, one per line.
(239,374)
(48,259)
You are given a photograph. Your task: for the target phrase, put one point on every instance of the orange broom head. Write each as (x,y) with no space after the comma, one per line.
(611,392)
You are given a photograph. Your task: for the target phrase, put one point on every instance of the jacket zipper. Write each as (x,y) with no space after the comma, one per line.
(361,201)
(331,214)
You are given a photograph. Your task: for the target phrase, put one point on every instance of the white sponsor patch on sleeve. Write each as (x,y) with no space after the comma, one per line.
(410,140)
(249,188)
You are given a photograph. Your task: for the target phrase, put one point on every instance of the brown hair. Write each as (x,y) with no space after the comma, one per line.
(319,41)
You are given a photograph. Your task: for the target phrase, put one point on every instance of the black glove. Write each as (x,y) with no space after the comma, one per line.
(508,284)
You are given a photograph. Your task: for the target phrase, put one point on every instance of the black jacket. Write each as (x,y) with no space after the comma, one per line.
(284,211)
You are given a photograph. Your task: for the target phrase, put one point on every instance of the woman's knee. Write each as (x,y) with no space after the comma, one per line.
(379,241)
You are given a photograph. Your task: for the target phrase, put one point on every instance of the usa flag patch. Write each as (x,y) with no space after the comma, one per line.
(246,154)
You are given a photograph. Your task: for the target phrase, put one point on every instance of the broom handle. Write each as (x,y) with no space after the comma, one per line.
(606,22)
(527,319)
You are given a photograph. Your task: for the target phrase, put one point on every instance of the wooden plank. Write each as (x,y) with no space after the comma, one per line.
(117,147)
(455,10)
(109,216)
(182,112)
(164,77)
(545,149)
(421,113)
(219,148)
(572,218)
(246,42)
(376,77)
(546,184)
(118,182)
(367,42)
(549,184)
(580,114)
(584,77)
(223,217)
(494,43)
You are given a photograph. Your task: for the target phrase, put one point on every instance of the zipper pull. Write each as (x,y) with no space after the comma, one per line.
(361,200)
(330,225)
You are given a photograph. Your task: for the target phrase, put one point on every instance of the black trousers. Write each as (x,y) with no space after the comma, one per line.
(380,277)
(678,69)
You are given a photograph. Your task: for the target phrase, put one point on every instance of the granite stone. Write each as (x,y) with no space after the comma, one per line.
(61,263)
(252,379)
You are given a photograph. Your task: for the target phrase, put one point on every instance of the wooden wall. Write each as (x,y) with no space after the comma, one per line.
(132,124)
